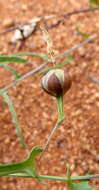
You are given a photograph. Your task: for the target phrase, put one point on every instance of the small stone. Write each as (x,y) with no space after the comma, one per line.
(24,7)
(8,22)
(82,51)
(97,104)
(7,140)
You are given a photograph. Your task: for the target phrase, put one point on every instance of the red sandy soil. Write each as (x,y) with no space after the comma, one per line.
(76,142)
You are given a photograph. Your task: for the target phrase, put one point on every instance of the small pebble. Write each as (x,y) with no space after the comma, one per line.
(8,22)
(24,7)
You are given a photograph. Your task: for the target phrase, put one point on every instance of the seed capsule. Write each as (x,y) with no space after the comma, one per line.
(56,82)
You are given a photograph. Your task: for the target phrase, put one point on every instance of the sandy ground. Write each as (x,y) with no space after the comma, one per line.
(76,142)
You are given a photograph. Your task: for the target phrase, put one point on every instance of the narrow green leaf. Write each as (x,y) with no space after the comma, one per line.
(10,59)
(14,116)
(27,166)
(94,2)
(80,186)
(82,34)
(68,59)
(42,56)
(9,68)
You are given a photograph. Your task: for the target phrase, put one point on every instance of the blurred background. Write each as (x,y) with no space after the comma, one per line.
(76,142)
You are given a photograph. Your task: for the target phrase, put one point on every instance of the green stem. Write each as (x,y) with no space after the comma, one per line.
(59,100)
(57,178)
(61,117)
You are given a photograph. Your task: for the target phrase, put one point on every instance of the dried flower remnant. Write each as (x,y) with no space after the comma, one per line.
(50,47)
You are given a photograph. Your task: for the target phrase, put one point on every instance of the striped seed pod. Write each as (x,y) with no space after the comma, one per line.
(56,82)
